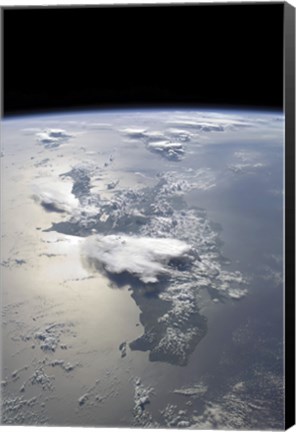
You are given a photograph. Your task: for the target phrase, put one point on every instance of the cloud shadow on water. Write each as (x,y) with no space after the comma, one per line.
(51,207)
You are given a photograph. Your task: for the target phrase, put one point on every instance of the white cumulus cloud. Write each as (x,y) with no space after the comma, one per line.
(52,137)
(55,201)
(143,257)
(171,150)
(134,132)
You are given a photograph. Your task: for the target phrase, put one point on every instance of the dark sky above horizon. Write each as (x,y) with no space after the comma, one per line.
(194,55)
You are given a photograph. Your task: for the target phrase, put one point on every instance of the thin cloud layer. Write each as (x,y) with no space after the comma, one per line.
(143,257)
(211,122)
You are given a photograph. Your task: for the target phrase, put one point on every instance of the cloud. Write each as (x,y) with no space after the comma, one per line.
(143,257)
(249,161)
(196,390)
(54,201)
(171,150)
(198,125)
(134,133)
(211,122)
(141,397)
(52,138)
(180,134)
(154,135)
(175,184)
(30,131)
(244,168)
(98,125)
(172,131)
(157,141)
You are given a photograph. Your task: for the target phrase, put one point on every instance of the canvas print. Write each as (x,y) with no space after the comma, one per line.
(142,244)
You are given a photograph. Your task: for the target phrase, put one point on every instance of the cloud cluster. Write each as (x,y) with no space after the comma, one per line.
(173,130)
(51,138)
(180,134)
(249,161)
(143,257)
(171,150)
(169,146)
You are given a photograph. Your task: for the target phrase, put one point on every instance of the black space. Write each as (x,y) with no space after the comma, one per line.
(190,55)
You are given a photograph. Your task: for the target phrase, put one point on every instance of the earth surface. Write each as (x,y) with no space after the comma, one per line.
(142,257)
